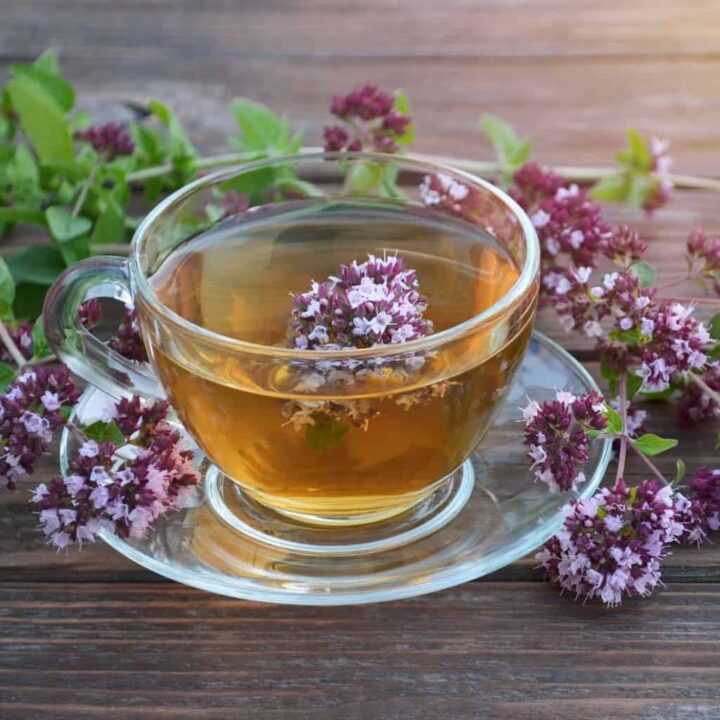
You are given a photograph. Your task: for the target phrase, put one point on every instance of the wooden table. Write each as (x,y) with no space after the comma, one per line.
(89,635)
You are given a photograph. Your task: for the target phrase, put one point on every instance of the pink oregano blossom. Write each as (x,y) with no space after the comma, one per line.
(376,302)
(612,544)
(122,486)
(556,434)
(371,121)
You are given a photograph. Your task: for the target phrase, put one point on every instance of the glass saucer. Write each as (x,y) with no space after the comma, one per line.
(486,515)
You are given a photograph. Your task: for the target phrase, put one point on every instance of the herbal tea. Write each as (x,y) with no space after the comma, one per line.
(336,440)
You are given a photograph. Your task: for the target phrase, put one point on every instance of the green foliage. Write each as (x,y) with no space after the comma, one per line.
(41,349)
(634,182)
(180,150)
(645,273)
(402,106)
(679,472)
(714,327)
(104,432)
(263,131)
(325,433)
(651,444)
(615,422)
(110,226)
(7,375)
(39,264)
(7,291)
(511,150)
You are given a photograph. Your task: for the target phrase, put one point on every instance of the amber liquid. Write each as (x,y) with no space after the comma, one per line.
(415,426)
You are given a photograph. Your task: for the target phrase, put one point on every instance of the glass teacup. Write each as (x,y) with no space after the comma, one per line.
(317,431)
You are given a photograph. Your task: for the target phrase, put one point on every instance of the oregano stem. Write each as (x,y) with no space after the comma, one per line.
(690,299)
(211,161)
(650,464)
(84,190)
(11,346)
(713,394)
(578,173)
(622,457)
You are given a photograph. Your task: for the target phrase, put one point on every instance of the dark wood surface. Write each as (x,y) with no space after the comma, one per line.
(89,635)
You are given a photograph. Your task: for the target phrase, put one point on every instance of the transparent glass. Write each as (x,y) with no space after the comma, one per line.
(225,544)
(326,437)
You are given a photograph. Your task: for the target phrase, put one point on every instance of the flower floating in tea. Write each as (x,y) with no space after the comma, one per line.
(371,304)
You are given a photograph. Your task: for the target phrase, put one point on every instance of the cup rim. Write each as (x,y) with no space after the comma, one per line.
(527,276)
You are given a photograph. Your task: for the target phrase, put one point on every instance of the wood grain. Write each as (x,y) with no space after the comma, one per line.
(493,650)
(89,635)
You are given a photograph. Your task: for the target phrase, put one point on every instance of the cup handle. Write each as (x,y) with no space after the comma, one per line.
(83,353)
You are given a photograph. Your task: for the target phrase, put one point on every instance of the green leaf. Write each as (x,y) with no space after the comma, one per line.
(325,433)
(29,300)
(637,155)
(651,444)
(63,226)
(7,375)
(48,62)
(364,177)
(24,176)
(679,472)
(59,89)
(512,151)
(261,128)
(633,384)
(104,432)
(42,119)
(402,106)
(110,226)
(658,394)
(615,423)
(292,187)
(7,291)
(610,375)
(645,273)
(41,349)
(39,264)
(22,215)
(613,188)
(182,151)
(714,327)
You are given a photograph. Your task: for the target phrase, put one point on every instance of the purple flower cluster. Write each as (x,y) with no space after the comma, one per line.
(30,411)
(110,140)
(612,544)
(370,121)
(660,339)
(90,313)
(566,220)
(373,303)
(677,344)
(624,246)
(700,511)
(443,192)
(121,487)
(557,439)
(128,340)
(703,259)
(21,333)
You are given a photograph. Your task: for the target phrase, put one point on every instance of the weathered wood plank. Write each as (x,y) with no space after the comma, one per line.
(155,651)
(164,30)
